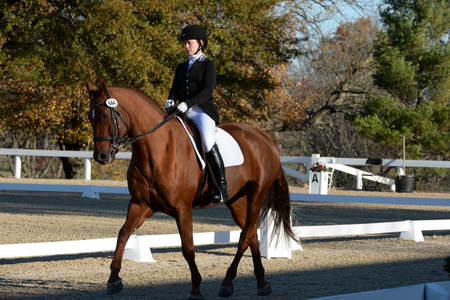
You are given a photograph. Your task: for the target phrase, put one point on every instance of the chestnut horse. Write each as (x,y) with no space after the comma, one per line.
(164,175)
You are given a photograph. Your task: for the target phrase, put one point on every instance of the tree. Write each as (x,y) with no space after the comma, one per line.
(335,76)
(412,59)
(333,82)
(312,14)
(51,48)
(426,127)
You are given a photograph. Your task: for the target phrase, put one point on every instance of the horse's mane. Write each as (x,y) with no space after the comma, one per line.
(141,95)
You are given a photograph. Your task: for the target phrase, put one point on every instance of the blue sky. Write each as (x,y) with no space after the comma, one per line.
(350,14)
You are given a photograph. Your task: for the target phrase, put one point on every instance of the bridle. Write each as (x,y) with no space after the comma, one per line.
(116,140)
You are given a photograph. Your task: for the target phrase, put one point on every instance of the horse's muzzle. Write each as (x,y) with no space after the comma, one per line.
(104,158)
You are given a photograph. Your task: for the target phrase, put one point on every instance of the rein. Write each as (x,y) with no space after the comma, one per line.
(118,142)
(130,140)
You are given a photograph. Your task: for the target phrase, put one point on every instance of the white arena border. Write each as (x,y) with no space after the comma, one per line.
(138,247)
(424,291)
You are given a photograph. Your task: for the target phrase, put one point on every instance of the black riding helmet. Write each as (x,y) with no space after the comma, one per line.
(194,32)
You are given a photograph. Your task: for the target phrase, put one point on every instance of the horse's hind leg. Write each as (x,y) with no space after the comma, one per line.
(247,219)
(262,285)
(136,215)
(184,223)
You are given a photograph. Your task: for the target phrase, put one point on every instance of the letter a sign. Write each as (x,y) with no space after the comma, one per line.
(315,179)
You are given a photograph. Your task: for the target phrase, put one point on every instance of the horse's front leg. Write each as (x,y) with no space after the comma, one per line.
(184,223)
(136,215)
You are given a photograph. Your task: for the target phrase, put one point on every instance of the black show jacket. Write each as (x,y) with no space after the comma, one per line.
(196,85)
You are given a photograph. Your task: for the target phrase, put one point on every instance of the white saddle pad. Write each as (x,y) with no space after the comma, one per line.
(228,147)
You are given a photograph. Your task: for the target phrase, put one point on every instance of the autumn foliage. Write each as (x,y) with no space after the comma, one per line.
(51,48)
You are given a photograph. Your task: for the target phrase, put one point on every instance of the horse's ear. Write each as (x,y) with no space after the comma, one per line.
(102,87)
(91,87)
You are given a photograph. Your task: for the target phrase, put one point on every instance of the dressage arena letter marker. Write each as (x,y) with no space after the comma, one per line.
(315,179)
(111,102)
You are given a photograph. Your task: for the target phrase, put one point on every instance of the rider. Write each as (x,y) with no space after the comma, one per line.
(192,89)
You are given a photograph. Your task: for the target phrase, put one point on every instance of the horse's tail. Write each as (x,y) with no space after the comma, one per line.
(279,203)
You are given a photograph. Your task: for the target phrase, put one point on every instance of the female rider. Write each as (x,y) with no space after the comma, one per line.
(192,89)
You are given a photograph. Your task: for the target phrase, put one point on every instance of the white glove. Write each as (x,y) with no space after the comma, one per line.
(182,107)
(169,104)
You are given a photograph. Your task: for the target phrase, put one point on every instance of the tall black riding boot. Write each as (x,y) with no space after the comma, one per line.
(218,169)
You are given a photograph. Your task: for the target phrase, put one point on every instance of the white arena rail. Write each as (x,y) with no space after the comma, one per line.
(338,163)
(85,155)
(138,247)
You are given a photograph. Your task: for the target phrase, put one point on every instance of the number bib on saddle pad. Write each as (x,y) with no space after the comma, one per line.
(228,147)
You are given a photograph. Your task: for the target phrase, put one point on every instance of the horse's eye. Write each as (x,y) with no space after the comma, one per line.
(104,116)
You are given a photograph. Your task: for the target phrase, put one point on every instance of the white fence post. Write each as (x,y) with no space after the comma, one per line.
(414,232)
(318,183)
(278,245)
(137,250)
(17,167)
(87,169)
(393,187)
(359,180)
(90,192)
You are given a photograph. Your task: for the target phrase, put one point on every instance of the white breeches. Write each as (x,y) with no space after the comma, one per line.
(205,125)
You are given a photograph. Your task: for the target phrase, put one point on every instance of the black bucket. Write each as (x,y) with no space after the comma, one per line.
(405,184)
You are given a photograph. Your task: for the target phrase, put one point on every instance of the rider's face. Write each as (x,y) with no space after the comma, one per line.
(191,46)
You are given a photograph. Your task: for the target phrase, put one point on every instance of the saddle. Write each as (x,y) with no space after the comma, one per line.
(228,148)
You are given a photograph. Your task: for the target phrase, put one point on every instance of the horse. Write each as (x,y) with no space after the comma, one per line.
(164,176)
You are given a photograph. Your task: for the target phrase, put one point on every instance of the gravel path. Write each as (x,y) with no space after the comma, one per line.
(327,266)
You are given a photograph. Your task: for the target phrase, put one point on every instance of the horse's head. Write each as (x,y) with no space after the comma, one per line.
(108,126)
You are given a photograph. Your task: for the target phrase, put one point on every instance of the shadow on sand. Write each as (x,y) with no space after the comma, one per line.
(301,284)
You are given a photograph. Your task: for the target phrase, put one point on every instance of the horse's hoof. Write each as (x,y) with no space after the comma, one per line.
(196,297)
(265,291)
(226,291)
(114,287)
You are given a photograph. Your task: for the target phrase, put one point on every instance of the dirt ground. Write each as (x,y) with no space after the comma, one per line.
(327,266)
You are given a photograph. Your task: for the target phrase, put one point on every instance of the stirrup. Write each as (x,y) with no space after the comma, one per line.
(215,199)
(218,197)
